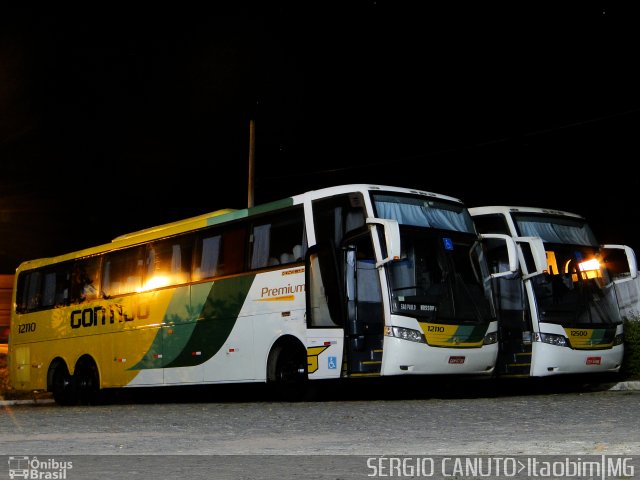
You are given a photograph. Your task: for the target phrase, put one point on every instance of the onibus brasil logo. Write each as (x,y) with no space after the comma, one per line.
(26,467)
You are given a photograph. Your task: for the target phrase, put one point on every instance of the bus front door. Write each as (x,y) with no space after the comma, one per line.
(365,314)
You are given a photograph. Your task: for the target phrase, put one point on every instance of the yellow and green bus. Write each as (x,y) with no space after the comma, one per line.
(342,282)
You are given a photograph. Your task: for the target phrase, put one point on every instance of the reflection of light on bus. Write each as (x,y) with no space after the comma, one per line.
(591,268)
(552,265)
(157,281)
(588,269)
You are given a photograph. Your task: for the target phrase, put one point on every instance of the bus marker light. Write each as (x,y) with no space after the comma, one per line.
(594,360)
(456,360)
(195,354)
(157,355)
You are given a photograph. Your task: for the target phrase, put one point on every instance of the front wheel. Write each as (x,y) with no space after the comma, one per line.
(287,374)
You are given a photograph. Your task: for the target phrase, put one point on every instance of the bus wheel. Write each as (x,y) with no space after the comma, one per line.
(87,382)
(62,386)
(287,373)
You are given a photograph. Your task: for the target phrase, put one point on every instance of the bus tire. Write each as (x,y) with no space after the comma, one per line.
(287,372)
(87,381)
(62,386)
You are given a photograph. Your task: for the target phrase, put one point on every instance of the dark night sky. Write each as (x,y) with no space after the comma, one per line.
(113,120)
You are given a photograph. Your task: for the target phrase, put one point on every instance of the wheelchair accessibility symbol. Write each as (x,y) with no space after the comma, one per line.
(332,362)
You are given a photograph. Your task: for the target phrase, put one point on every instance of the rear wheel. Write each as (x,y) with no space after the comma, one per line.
(62,386)
(87,382)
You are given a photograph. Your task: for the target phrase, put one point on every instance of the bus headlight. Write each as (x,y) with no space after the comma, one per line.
(551,339)
(490,338)
(619,339)
(405,334)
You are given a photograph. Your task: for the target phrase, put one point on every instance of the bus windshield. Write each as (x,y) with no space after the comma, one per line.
(436,278)
(575,291)
(552,229)
(439,277)
(423,212)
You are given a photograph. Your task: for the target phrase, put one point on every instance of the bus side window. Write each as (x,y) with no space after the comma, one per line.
(43,288)
(334,217)
(491,223)
(323,294)
(55,287)
(84,279)
(32,293)
(49,289)
(123,271)
(206,256)
(261,246)
(168,262)
(233,248)
(278,241)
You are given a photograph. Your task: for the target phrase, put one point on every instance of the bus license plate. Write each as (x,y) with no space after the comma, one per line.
(594,360)
(456,359)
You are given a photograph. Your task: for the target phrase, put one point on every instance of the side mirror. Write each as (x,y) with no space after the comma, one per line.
(511,252)
(631,261)
(391,238)
(534,255)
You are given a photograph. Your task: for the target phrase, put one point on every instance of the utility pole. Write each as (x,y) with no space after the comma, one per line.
(252,149)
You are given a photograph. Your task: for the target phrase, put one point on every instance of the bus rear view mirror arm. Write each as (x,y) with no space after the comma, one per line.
(511,252)
(631,260)
(391,238)
(538,255)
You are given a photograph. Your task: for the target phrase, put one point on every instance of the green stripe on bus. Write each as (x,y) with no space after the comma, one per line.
(181,322)
(598,336)
(218,315)
(246,212)
(182,335)
(470,333)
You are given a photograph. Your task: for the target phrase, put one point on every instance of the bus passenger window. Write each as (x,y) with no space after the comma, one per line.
(261,242)
(43,288)
(84,279)
(123,271)
(494,223)
(32,291)
(324,299)
(55,286)
(49,290)
(168,262)
(278,241)
(233,248)
(206,256)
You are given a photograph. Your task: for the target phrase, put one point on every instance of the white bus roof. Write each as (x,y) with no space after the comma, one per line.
(363,187)
(505,210)
(221,216)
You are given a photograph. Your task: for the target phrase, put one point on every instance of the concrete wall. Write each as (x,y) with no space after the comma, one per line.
(629,298)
